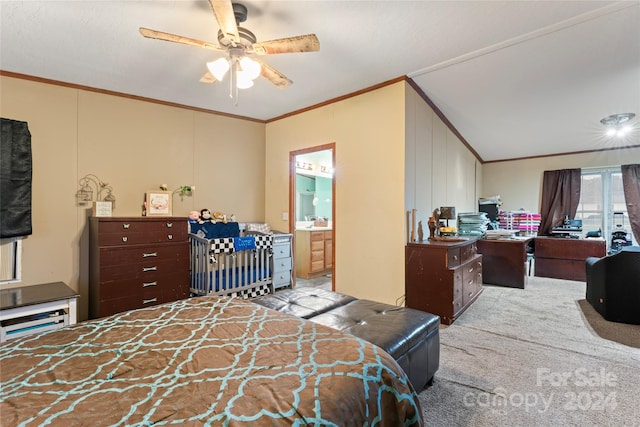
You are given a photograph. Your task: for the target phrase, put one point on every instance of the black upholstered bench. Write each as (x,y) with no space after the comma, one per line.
(411,337)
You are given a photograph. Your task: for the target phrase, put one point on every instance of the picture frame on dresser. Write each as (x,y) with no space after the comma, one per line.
(158,203)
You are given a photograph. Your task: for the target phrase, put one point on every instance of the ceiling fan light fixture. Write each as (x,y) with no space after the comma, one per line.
(243,82)
(218,68)
(250,68)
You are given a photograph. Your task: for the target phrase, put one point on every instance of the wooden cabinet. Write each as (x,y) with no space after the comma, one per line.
(136,262)
(442,277)
(563,258)
(282,261)
(328,250)
(314,253)
(503,261)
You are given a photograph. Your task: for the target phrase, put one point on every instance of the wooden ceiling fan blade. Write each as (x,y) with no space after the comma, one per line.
(208,78)
(223,10)
(161,35)
(306,43)
(274,76)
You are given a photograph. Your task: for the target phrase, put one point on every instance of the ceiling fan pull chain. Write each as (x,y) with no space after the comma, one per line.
(234,80)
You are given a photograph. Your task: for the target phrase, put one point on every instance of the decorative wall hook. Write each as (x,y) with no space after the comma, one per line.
(86,192)
(183,190)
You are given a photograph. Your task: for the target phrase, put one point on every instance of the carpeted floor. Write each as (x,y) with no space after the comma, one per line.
(535,357)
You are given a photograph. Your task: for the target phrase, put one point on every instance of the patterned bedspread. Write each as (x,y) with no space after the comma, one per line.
(202,361)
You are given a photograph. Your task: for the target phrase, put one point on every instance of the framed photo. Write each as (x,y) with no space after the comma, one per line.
(102,208)
(158,203)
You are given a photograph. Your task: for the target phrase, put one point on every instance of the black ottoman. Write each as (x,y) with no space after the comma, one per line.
(303,302)
(411,337)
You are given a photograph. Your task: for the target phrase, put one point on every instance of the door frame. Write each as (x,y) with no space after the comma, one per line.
(292,201)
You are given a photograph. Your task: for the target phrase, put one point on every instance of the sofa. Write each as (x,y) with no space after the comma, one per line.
(411,337)
(613,285)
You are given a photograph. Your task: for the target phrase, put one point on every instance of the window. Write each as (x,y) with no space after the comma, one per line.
(10,260)
(602,205)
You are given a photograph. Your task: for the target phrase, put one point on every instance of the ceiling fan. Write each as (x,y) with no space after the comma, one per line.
(240,45)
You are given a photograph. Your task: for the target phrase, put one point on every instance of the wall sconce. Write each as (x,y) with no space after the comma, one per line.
(304,166)
(326,169)
(87,185)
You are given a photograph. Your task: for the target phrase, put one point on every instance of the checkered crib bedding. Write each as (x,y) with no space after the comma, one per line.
(224,266)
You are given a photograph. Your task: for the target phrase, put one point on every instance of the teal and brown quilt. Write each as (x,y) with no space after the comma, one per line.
(202,361)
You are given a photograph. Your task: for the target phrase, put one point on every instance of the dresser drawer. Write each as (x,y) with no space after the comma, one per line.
(281,277)
(131,232)
(136,287)
(136,238)
(112,256)
(282,250)
(145,271)
(471,279)
(467,252)
(453,257)
(282,264)
(128,303)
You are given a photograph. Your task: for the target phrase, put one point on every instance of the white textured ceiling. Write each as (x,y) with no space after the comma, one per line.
(516,78)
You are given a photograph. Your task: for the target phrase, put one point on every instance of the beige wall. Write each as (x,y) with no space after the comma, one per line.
(519,182)
(439,169)
(393,154)
(368,131)
(134,146)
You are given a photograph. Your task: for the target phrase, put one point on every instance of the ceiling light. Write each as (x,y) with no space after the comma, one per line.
(244,71)
(218,68)
(614,124)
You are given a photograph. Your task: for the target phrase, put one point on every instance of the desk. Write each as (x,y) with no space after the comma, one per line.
(564,258)
(27,310)
(504,261)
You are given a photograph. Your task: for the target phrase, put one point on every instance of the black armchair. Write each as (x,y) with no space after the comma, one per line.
(613,285)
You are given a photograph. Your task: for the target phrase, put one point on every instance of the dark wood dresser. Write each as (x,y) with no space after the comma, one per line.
(442,277)
(504,261)
(563,258)
(136,262)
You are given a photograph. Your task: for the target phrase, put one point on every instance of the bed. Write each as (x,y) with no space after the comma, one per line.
(225,263)
(202,361)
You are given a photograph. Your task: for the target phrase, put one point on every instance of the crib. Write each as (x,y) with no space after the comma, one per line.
(231,266)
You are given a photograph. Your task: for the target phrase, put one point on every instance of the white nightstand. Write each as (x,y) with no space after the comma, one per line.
(28,310)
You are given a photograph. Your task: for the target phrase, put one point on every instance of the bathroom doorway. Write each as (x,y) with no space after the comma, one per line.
(312,213)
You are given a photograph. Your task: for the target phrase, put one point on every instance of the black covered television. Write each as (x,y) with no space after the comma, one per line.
(491,210)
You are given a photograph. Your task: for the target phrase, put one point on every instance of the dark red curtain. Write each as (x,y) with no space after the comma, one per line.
(631,186)
(560,197)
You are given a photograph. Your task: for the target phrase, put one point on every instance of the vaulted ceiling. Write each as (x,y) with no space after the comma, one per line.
(515,78)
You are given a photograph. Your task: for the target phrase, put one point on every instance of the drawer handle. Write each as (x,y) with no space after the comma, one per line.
(148,301)
(470,293)
(125,226)
(145,269)
(146,285)
(124,239)
(170,236)
(169,224)
(151,254)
